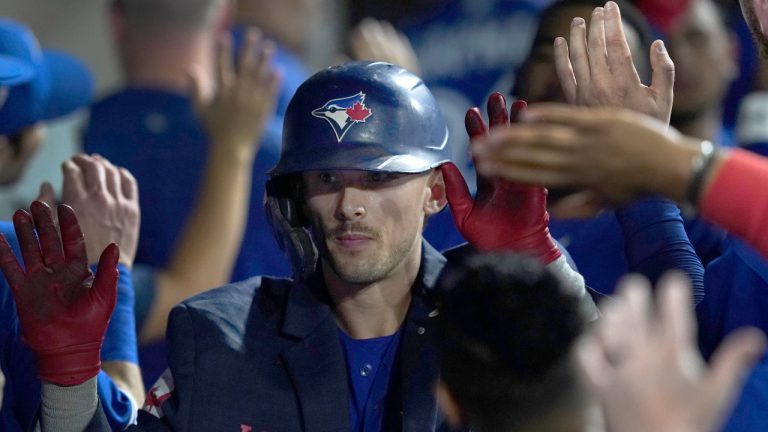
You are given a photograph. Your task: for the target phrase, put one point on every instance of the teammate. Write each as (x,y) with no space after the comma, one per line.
(610,152)
(162,117)
(700,40)
(347,344)
(507,332)
(45,85)
(646,237)
(513,356)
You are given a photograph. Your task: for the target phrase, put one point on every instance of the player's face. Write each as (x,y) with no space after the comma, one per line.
(701,42)
(367,225)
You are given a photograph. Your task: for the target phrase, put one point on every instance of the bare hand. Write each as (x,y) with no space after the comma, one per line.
(106,201)
(379,40)
(644,366)
(616,155)
(245,98)
(598,69)
(47,195)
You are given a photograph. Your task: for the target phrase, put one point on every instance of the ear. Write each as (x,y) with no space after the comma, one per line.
(435,199)
(448,406)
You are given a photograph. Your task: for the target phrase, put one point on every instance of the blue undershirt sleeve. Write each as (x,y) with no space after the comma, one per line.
(655,241)
(120,339)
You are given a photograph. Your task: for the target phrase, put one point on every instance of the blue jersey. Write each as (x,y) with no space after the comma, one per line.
(157,135)
(647,237)
(736,286)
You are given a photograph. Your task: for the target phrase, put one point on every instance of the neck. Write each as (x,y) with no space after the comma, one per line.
(378,308)
(165,61)
(705,124)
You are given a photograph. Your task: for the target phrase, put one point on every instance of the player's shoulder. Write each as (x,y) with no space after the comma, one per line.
(226,315)
(266,294)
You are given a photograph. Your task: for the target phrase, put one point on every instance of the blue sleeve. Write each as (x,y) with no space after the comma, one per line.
(120,339)
(655,241)
(144,287)
(749,413)
(708,240)
(8,319)
(119,409)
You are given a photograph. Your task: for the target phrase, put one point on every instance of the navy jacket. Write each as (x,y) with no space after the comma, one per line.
(264,355)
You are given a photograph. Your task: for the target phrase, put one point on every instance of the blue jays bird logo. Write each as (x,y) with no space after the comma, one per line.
(343,113)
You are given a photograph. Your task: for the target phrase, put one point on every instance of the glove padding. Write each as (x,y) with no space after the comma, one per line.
(63,309)
(505,216)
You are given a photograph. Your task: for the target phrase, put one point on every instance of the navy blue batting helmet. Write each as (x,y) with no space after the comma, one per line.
(371,116)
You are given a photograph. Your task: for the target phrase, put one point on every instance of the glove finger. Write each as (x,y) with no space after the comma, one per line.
(105,283)
(497,110)
(474,123)
(50,243)
(73,239)
(457,192)
(516,110)
(25,231)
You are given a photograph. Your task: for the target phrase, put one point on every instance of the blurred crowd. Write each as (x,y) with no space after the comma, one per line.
(487,215)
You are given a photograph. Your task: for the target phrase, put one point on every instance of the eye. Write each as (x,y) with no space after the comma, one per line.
(376,177)
(326,177)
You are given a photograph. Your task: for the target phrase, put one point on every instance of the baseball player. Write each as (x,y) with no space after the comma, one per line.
(41,85)
(346,344)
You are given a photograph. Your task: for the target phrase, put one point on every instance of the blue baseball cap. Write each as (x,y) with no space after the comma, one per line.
(14,72)
(44,84)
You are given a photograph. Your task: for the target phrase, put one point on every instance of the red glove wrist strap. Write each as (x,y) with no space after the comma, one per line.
(71,365)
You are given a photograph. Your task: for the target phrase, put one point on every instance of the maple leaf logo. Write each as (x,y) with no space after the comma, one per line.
(358,112)
(344,113)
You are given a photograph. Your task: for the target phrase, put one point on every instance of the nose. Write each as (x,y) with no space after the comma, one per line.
(351,206)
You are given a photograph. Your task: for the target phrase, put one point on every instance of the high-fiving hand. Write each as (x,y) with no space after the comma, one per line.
(598,69)
(642,363)
(63,309)
(504,215)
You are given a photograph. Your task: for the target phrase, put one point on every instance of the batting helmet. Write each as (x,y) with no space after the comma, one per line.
(371,116)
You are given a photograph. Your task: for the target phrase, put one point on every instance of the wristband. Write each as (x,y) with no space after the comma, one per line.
(699,168)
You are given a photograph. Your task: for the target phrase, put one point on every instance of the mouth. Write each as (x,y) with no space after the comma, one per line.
(352,240)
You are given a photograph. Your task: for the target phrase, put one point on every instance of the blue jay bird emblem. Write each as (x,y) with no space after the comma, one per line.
(343,113)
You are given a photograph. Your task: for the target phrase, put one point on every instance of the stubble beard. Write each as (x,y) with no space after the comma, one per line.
(377,264)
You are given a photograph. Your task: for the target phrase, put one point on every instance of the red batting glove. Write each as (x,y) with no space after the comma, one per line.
(63,309)
(505,216)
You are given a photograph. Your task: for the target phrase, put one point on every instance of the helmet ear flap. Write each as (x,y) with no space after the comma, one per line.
(286,220)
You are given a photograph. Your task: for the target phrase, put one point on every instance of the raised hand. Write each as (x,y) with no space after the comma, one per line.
(598,69)
(63,309)
(245,98)
(106,201)
(379,40)
(505,215)
(616,155)
(643,364)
